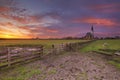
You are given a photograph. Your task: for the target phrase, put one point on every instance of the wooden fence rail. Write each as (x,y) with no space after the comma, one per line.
(16,55)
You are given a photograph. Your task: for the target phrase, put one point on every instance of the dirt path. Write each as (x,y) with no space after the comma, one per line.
(67,66)
(76,66)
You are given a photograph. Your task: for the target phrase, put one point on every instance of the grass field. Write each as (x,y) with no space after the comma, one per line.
(46,43)
(102,44)
(109,47)
(24,73)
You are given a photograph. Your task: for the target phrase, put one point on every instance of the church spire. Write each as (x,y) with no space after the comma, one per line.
(92,31)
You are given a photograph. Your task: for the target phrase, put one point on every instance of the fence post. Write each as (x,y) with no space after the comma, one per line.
(60,48)
(41,51)
(9,56)
(53,49)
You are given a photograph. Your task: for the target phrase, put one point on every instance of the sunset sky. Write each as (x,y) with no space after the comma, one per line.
(58,18)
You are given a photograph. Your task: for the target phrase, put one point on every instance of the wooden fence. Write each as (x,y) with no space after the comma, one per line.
(15,55)
(69,47)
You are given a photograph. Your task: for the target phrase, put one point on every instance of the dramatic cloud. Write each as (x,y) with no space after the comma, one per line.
(106,8)
(26,26)
(58,18)
(52,30)
(98,21)
(4,9)
(9,30)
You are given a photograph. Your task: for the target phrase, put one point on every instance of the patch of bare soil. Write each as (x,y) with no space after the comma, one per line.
(76,66)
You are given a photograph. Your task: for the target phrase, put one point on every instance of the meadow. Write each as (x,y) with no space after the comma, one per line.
(94,46)
(25,72)
(102,44)
(21,71)
(45,43)
(105,47)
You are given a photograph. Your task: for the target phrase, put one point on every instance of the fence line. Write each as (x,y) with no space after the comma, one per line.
(14,55)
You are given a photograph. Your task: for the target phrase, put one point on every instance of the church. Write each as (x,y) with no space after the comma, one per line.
(90,35)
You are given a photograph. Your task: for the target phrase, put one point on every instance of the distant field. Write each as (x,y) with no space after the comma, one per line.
(99,44)
(46,43)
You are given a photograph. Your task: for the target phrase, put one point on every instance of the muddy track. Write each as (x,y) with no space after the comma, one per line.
(76,66)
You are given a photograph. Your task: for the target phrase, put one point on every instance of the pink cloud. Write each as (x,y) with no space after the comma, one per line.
(106,8)
(51,30)
(4,9)
(98,21)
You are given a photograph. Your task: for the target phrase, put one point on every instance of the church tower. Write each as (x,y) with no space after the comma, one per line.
(92,31)
(90,35)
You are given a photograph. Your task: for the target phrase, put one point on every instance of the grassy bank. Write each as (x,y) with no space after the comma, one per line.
(102,44)
(105,47)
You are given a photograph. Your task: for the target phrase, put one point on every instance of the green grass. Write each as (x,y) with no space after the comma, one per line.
(115,64)
(20,73)
(46,43)
(95,46)
(111,47)
(52,71)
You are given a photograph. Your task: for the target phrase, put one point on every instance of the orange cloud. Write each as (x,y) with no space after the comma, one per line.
(106,8)
(7,24)
(4,9)
(19,19)
(29,26)
(9,30)
(99,21)
(8,34)
(26,20)
(51,30)
(105,5)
